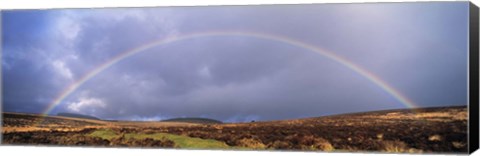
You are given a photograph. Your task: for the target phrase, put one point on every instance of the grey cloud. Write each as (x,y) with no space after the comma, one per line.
(239,78)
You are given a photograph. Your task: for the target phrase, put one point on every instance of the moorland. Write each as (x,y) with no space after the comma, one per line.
(421,130)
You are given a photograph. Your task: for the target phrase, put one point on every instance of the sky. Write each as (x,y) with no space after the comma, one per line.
(418,49)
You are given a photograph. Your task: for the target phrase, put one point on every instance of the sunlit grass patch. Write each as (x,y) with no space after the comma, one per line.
(180,141)
(104,134)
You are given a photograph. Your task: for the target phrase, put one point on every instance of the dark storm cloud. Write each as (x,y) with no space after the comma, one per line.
(27,84)
(418,48)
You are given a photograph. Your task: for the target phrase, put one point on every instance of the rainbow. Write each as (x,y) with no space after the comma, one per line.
(330,55)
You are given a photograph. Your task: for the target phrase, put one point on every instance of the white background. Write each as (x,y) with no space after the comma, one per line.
(46,4)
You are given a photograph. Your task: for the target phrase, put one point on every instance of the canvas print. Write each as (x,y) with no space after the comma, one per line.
(360,77)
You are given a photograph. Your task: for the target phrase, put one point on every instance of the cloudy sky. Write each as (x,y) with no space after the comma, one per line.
(419,49)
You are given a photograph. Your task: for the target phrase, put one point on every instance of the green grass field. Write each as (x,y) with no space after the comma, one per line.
(180,141)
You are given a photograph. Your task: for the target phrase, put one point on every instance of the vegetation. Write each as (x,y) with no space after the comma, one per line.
(398,131)
(180,141)
(104,134)
(73,115)
(194,120)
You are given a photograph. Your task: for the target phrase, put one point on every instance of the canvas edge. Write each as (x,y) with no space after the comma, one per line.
(473,80)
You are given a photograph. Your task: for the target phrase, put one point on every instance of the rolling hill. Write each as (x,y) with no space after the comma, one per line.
(194,120)
(73,115)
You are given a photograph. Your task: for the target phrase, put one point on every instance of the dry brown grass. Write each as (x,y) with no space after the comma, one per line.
(446,116)
(396,146)
(279,145)
(315,143)
(400,131)
(435,137)
(458,145)
(323,145)
(251,143)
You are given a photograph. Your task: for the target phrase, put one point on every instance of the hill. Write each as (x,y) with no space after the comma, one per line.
(194,120)
(73,115)
(419,130)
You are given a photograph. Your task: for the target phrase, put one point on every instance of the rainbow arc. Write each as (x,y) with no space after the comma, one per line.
(276,38)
